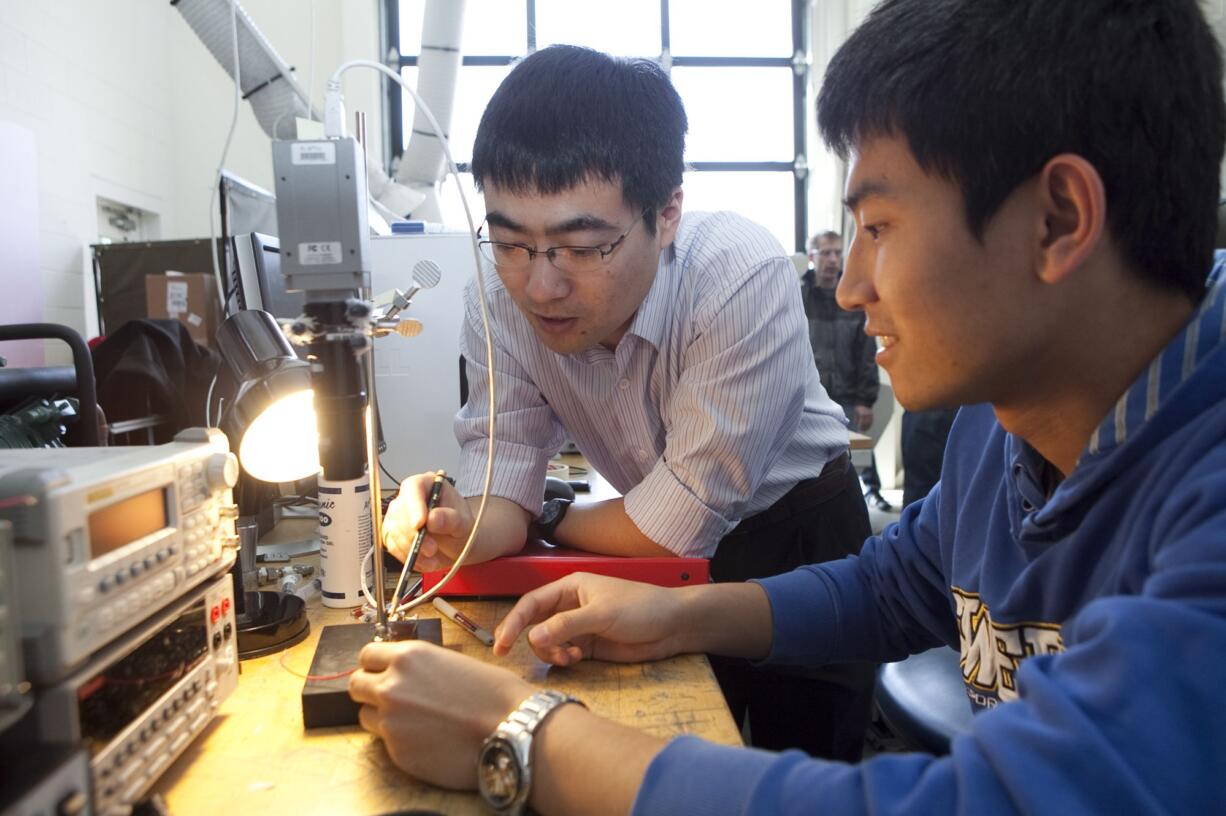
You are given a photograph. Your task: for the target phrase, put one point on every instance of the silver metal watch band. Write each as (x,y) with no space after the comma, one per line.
(514,734)
(533,711)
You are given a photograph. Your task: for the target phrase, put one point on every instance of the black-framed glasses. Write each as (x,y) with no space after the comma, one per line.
(569,259)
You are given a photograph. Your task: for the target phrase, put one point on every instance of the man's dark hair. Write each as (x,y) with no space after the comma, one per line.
(987,91)
(567,114)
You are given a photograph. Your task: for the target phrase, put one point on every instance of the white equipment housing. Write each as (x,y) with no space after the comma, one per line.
(417,379)
(107,536)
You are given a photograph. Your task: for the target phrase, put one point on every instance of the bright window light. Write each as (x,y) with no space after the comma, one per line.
(737,114)
(282,444)
(631,27)
(453,209)
(495,27)
(490,26)
(721,28)
(474,87)
(762,197)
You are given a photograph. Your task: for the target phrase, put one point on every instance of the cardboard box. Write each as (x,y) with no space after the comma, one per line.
(191,299)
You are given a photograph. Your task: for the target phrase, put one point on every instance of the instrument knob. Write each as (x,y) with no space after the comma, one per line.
(222,471)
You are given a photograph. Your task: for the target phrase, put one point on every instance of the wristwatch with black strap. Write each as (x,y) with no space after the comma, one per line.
(504,766)
(546,524)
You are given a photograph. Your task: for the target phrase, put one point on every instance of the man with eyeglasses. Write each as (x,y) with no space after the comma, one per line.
(672,350)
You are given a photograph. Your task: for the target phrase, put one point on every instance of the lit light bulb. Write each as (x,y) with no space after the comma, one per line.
(282,444)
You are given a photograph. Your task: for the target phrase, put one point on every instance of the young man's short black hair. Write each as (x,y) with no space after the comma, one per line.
(986,91)
(566,114)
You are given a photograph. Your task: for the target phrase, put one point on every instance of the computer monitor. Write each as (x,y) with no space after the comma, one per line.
(260,284)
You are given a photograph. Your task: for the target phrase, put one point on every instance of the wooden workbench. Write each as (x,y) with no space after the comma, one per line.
(256,758)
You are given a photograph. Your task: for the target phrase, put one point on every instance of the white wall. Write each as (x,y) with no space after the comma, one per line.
(23,293)
(87,79)
(125,102)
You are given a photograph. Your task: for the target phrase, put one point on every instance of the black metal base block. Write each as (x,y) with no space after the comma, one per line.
(327,702)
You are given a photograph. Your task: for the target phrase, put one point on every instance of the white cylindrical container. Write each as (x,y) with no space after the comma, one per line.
(344,540)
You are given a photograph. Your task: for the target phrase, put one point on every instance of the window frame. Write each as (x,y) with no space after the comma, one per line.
(393,121)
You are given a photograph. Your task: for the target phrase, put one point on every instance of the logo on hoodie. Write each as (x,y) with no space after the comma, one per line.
(992,652)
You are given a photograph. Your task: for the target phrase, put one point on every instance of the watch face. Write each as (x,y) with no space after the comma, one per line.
(498,775)
(550,512)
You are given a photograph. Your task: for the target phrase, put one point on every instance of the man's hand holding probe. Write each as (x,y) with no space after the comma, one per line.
(503,529)
(433,707)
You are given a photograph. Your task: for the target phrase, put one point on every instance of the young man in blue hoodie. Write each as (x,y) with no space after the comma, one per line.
(1034,186)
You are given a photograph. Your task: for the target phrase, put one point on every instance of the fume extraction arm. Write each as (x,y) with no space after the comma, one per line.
(278,100)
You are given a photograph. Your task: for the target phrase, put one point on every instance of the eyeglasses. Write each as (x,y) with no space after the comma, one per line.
(569,259)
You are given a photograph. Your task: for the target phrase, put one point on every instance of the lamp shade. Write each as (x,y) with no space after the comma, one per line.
(271,421)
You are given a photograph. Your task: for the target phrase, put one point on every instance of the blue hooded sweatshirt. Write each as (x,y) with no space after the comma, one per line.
(1091,622)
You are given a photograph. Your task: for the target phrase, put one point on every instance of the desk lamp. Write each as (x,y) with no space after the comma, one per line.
(271,423)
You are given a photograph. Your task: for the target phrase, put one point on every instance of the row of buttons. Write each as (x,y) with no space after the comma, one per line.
(161,739)
(136,569)
(191,469)
(195,470)
(218,610)
(226,633)
(194,567)
(196,520)
(200,537)
(151,730)
(133,604)
(192,484)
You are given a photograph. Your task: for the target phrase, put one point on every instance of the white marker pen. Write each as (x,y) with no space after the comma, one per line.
(463,621)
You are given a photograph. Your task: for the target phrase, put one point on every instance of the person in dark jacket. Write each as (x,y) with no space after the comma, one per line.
(923,447)
(844,354)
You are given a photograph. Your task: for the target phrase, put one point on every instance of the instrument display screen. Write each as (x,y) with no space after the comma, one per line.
(125,690)
(125,521)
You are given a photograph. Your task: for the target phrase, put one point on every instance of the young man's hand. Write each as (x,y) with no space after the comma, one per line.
(433,707)
(592,616)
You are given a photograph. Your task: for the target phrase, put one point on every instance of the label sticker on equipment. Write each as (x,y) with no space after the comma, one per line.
(176,298)
(313,153)
(317,254)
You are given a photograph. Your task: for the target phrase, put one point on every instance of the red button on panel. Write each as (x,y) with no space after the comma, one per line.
(214,614)
(225,605)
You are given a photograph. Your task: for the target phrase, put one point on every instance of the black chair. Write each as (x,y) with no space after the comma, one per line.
(923,699)
(54,381)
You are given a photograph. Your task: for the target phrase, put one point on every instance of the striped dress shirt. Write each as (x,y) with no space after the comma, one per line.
(707,412)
